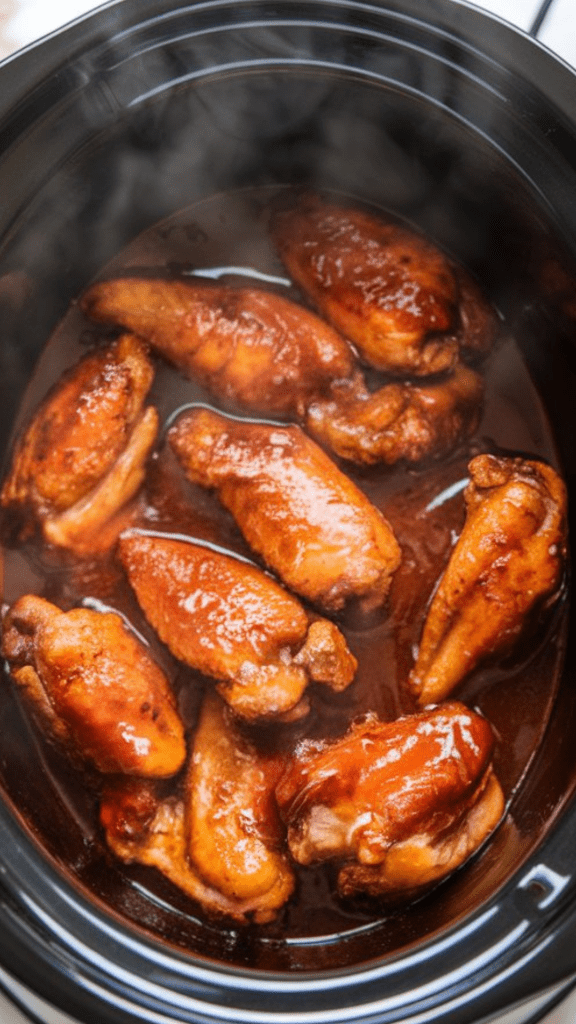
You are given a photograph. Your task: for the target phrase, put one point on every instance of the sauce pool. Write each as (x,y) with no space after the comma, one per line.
(225,238)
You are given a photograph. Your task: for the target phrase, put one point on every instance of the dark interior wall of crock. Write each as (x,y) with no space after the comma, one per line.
(316,130)
(312,129)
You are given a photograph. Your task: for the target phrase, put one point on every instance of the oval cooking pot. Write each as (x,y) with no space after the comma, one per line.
(467,128)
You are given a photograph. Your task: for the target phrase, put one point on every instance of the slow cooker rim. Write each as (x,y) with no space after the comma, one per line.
(461,22)
(41,950)
(63,76)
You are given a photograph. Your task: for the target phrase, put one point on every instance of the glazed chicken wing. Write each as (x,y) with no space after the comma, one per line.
(401,803)
(399,421)
(94,688)
(229,620)
(234,834)
(385,287)
(82,456)
(478,325)
(250,348)
(143,827)
(308,521)
(508,558)
(257,351)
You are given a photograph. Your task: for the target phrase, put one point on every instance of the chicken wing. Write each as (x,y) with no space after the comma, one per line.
(296,509)
(229,620)
(385,287)
(508,558)
(82,456)
(399,421)
(478,324)
(253,349)
(143,827)
(236,840)
(402,803)
(94,688)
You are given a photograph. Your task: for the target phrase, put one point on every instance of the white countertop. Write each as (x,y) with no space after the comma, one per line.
(24,21)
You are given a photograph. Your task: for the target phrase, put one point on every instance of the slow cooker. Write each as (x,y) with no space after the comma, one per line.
(140,110)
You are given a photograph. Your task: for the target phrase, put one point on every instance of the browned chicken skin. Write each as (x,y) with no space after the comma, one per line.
(398,805)
(82,456)
(223,843)
(249,347)
(229,620)
(402,803)
(297,510)
(235,836)
(385,287)
(478,325)
(508,558)
(143,827)
(292,363)
(398,421)
(94,688)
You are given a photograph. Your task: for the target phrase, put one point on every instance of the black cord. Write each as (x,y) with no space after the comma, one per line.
(537,23)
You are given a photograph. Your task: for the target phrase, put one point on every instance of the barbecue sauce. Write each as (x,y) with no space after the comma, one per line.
(226,238)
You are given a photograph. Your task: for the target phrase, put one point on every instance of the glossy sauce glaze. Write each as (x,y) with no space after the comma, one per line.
(226,239)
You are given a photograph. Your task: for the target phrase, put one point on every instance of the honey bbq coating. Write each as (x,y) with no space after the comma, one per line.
(408,421)
(296,509)
(385,287)
(144,826)
(82,456)
(400,804)
(94,688)
(508,559)
(251,348)
(235,837)
(234,623)
(258,352)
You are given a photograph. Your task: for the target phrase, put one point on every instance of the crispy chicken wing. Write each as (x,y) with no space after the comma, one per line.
(508,558)
(82,456)
(250,348)
(229,620)
(309,522)
(402,803)
(94,688)
(143,827)
(388,289)
(399,421)
(236,840)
